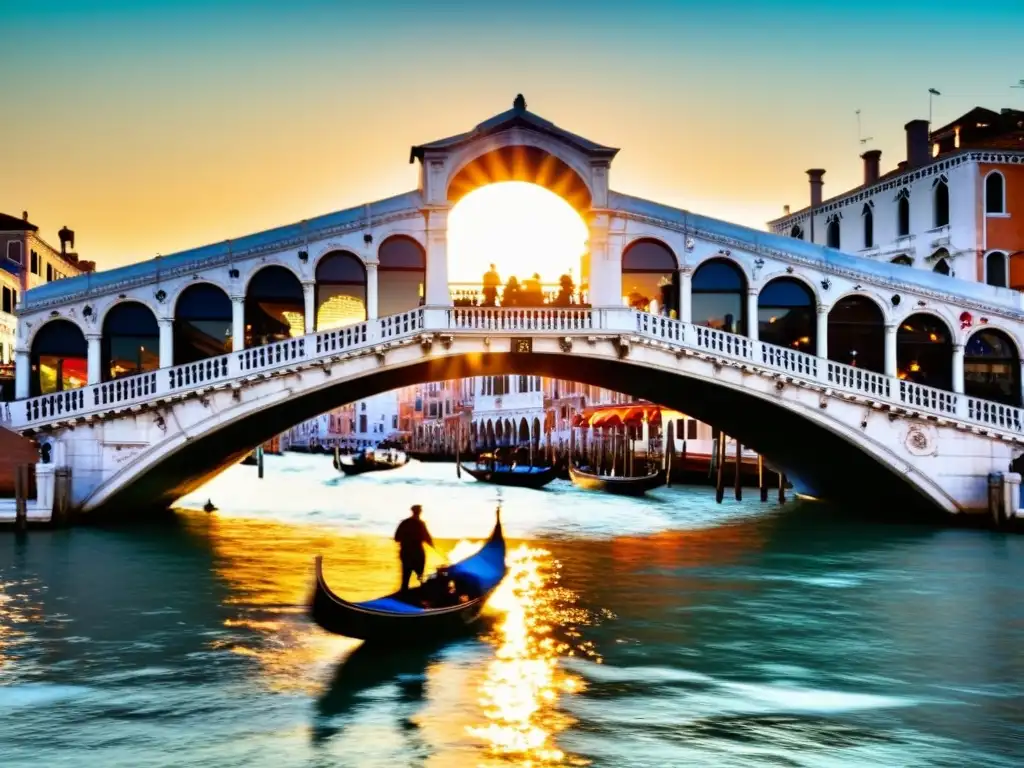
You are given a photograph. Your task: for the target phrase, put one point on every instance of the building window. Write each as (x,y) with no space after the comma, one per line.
(869,226)
(796,232)
(903,215)
(832,233)
(995,193)
(362,406)
(362,423)
(34,262)
(8,301)
(995,269)
(394,422)
(49,272)
(941,204)
(14,251)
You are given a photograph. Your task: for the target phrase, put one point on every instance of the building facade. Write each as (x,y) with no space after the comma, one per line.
(28,261)
(954,205)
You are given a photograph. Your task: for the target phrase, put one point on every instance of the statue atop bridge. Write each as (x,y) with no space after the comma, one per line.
(519,104)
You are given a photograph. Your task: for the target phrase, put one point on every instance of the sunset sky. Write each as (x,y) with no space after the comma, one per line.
(152,126)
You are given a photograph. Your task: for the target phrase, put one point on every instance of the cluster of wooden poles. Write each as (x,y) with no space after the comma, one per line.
(718,467)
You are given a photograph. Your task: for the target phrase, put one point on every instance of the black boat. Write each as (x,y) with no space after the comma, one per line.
(371,460)
(488,469)
(625,486)
(445,605)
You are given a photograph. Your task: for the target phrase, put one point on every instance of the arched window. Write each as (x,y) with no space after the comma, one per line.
(59,358)
(992,367)
(796,232)
(995,269)
(401,275)
(650,277)
(903,215)
(131,341)
(719,292)
(786,314)
(340,290)
(903,260)
(941,204)
(941,261)
(275,308)
(202,323)
(869,226)
(856,333)
(995,193)
(924,351)
(832,233)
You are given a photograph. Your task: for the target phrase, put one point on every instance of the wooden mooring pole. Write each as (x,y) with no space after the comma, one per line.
(782,487)
(761,479)
(259,461)
(737,479)
(21,498)
(720,469)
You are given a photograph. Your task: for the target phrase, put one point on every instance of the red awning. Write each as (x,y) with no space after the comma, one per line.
(617,415)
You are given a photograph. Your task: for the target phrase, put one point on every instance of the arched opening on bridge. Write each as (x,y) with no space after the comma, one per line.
(275,309)
(786,314)
(992,367)
(650,277)
(719,290)
(340,290)
(534,238)
(401,274)
(131,341)
(59,358)
(856,333)
(529,165)
(202,323)
(924,351)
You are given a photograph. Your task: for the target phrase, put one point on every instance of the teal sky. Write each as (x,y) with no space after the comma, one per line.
(154,126)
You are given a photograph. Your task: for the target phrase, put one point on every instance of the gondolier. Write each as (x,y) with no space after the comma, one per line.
(411,535)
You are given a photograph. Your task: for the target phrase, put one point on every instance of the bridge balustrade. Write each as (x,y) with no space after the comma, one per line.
(180,379)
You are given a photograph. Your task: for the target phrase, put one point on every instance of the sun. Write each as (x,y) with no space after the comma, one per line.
(519,227)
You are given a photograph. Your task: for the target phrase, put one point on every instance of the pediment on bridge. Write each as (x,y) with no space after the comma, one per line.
(516,145)
(517,117)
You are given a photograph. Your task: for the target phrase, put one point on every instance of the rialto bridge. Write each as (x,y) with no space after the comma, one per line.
(849,374)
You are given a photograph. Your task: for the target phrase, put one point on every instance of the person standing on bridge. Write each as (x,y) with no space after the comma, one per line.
(411,535)
(492,281)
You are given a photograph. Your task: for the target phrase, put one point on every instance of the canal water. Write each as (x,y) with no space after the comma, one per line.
(667,631)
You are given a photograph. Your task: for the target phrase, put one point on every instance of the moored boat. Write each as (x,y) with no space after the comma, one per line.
(446,604)
(626,486)
(488,469)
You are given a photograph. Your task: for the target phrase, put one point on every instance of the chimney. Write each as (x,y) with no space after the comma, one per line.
(917,143)
(24,215)
(872,160)
(901,166)
(815,175)
(785,210)
(87,266)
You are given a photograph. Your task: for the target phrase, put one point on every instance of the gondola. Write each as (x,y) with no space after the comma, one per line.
(487,470)
(371,461)
(625,486)
(445,605)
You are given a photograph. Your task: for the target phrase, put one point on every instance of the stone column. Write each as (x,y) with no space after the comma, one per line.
(94,366)
(958,368)
(22,373)
(891,363)
(237,323)
(372,290)
(752,323)
(166,342)
(309,309)
(435,292)
(605,265)
(821,333)
(686,294)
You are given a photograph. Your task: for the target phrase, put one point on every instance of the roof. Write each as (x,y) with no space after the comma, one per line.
(828,258)
(517,117)
(10,223)
(267,240)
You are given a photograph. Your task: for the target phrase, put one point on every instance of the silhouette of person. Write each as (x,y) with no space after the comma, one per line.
(411,535)
(492,281)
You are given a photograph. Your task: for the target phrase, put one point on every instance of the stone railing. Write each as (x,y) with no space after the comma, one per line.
(183,379)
